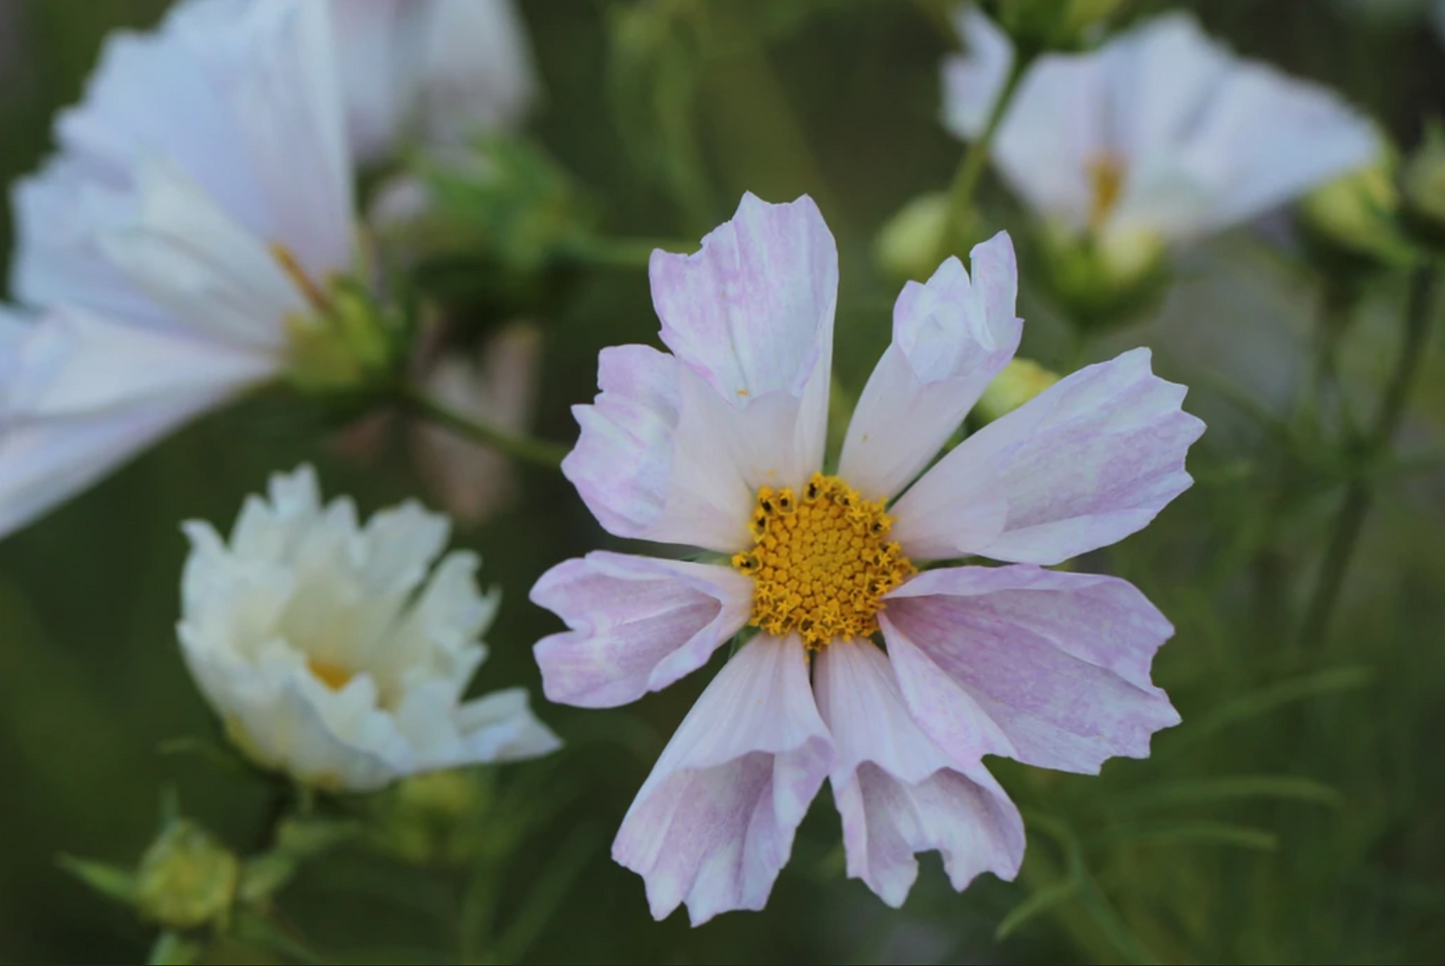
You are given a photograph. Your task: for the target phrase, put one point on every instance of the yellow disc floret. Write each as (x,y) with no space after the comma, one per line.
(821,562)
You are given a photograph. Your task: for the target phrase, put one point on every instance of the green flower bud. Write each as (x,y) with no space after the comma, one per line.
(1423,186)
(1020,381)
(1105,280)
(1351,224)
(348,342)
(437,818)
(186,878)
(908,245)
(1043,25)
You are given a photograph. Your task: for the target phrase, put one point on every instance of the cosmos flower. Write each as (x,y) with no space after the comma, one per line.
(441,70)
(179,248)
(1160,133)
(336,652)
(719,445)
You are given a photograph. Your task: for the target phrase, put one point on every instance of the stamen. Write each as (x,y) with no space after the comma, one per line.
(820,565)
(1106,178)
(297,274)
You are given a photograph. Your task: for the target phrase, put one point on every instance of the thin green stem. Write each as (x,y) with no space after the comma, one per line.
(526,448)
(609,252)
(975,160)
(1360,493)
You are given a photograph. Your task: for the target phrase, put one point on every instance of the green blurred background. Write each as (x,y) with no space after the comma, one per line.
(1294,818)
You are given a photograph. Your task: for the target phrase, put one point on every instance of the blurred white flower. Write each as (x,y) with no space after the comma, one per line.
(1160,132)
(441,69)
(335,652)
(498,388)
(180,242)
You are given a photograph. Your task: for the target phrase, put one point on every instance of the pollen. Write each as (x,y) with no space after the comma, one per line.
(821,562)
(1106,180)
(333,676)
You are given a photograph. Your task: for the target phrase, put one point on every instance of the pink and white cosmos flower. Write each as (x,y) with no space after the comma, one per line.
(720,445)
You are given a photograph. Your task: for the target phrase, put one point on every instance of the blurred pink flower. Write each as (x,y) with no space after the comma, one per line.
(496,384)
(1160,131)
(719,445)
(442,70)
(202,190)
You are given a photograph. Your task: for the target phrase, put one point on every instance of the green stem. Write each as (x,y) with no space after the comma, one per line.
(975,160)
(1360,493)
(621,252)
(526,448)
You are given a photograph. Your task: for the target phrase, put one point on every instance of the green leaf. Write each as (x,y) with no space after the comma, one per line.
(1232,788)
(1216,833)
(110,881)
(1274,697)
(171,949)
(1040,902)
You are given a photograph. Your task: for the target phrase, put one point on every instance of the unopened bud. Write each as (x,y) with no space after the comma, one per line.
(1020,381)
(1352,222)
(186,878)
(909,244)
(1423,187)
(435,818)
(1104,280)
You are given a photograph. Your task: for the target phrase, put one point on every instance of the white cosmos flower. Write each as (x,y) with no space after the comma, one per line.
(719,444)
(441,69)
(335,652)
(1161,132)
(200,199)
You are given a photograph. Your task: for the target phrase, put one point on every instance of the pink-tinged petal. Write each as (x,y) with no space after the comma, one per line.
(637,624)
(752,314)
(950,338)
(714,823)
(662,457)
(898,792)
(1059,661)
(1084,464)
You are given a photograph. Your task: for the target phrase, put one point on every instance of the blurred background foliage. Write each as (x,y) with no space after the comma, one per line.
(1293,818)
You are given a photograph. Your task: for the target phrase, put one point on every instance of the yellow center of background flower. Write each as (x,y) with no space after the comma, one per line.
(1106,179)
(821,562)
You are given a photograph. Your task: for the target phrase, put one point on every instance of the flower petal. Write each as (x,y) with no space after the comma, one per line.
(974,80)
(897,791)
(478,72)
(637,624)
(752,314)
(950,338)
(1059,662)
(1084,464)
(661,457)
(714,823)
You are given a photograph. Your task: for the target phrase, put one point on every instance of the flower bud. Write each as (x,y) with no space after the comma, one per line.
(186,878)
(347,342)
(1104,280)
(435,818)
(1351,223)
(1020,381)
(1423,187)
(908,245)
(1042,25)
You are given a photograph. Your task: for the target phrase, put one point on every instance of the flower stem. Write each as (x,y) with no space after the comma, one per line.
(1360,493)
(608,252)
(970,169)
(526,448)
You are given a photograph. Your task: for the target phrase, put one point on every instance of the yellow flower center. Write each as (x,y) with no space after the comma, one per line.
(334,676)
(821,564)
(1106,178)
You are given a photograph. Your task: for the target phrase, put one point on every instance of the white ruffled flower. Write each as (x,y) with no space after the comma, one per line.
(1161,133)
(442,69)
(179,242)
(334,652)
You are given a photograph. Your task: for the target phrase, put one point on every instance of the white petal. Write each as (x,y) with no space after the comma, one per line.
(1084,464)
(897,791)
(974,80)
(637,624)
(477,70)
(714,823)
(950,338)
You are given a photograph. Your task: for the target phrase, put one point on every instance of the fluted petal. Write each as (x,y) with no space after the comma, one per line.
(950,338)
(898,792)
(1084,464)
(714,823)
(637,624)
(1059,663)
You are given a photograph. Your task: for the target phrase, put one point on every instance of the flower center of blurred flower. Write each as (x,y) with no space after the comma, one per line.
(821,564)
(334,676)
(1106,180)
